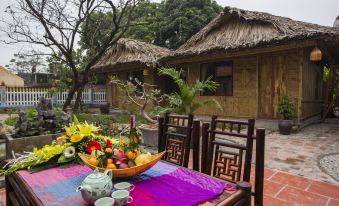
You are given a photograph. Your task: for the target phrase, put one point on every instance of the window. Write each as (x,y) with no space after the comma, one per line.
(169,86)
(221,72)
(136,78)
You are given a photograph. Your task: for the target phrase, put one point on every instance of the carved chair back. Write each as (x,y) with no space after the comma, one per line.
(175,133)
(227,148)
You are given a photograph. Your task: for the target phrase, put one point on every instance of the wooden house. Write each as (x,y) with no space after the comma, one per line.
(256,58)
(129,59)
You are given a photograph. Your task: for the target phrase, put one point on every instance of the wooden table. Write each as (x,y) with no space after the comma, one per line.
(18,192)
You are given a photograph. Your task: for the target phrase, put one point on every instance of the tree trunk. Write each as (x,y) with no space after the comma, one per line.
(81,86)
(70,95)
(78,99)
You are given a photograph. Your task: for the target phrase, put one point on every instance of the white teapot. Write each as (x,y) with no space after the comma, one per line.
(96,185)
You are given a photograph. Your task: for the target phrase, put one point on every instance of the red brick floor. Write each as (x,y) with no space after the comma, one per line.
(283,189)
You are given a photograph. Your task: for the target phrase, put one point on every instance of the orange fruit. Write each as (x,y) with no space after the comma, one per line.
(109,150)
(109,161)
(111,166)
(131,155)
(93,161)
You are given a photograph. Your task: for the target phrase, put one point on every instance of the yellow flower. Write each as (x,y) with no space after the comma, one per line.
(71,129)
(76,138)
(87,129)
(97,136)
(114,140)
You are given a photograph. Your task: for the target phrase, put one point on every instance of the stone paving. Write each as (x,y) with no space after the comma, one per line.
(300,153)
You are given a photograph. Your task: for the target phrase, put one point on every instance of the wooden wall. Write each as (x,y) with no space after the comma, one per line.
(117,98)
(243,101)
(278,75)
(258,83)
(311,101)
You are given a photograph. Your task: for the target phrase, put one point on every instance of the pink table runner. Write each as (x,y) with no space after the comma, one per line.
(163,184)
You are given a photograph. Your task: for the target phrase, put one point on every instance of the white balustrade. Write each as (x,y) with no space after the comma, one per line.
(26,96)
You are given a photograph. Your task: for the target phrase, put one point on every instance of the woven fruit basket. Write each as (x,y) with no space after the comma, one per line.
(128,172)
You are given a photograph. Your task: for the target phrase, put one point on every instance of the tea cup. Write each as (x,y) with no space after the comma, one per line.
(121,197)
(124,186)
(105,201)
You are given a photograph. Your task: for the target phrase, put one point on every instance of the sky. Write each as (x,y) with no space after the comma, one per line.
(321,12)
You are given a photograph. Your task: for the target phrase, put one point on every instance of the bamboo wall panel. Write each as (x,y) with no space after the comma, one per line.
(119,99)
(243,101)
(312,87)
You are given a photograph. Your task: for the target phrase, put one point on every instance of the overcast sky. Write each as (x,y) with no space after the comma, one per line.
(321,12)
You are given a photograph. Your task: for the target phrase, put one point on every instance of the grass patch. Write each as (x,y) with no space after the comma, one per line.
(99,119)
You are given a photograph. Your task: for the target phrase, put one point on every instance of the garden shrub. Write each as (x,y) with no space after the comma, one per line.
(11,121)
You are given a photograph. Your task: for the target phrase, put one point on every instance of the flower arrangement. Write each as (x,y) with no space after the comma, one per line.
(105,151)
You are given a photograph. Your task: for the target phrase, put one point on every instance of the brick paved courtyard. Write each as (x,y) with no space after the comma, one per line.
(299,154)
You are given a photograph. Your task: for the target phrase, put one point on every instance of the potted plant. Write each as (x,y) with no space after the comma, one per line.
(287,111)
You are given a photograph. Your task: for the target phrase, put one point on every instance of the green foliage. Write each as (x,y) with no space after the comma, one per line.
(326,73)
(11,121)
(168,24)
(286,108)
(125,119)
(181,19)
(183,102)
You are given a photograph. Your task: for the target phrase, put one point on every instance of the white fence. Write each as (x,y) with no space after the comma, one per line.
(25,96)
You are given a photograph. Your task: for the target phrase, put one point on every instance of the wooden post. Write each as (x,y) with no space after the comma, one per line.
(259,167)
(160,134)
(164,130)
(246,187)
(210,145)
(188,140)
(249,149)
(196,144)
(204,147)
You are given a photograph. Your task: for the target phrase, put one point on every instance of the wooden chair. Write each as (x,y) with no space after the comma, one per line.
(175,133)
(227,153)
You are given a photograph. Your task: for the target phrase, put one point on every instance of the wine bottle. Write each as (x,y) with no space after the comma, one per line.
(133,136)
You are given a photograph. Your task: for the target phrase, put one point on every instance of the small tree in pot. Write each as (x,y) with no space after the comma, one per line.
(286,109)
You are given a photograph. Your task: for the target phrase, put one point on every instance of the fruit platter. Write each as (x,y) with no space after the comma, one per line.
(143,163)
(83,143)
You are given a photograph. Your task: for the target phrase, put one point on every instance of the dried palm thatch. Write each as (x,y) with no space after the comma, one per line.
(130,53)
(235,29)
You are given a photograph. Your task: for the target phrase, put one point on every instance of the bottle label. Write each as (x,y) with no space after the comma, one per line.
(132,122)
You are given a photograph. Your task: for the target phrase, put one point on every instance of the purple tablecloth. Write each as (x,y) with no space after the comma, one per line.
(163,184)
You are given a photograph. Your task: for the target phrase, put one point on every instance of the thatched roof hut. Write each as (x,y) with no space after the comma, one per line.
(236,29)
(130,53)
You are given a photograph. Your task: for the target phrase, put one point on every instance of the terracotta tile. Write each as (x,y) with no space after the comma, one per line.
(272,188)
(299,197)
(2,197)
(294,181)
(268,173)
(271,201)
(325,189)
(333,202)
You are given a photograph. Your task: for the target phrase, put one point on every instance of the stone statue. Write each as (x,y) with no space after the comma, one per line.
(46,115)
(21,125)
(66,118)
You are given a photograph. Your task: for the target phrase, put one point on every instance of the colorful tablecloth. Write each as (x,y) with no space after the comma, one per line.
(163,184)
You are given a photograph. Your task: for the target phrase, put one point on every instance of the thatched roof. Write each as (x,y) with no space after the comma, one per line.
(130,53)
(235,29)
